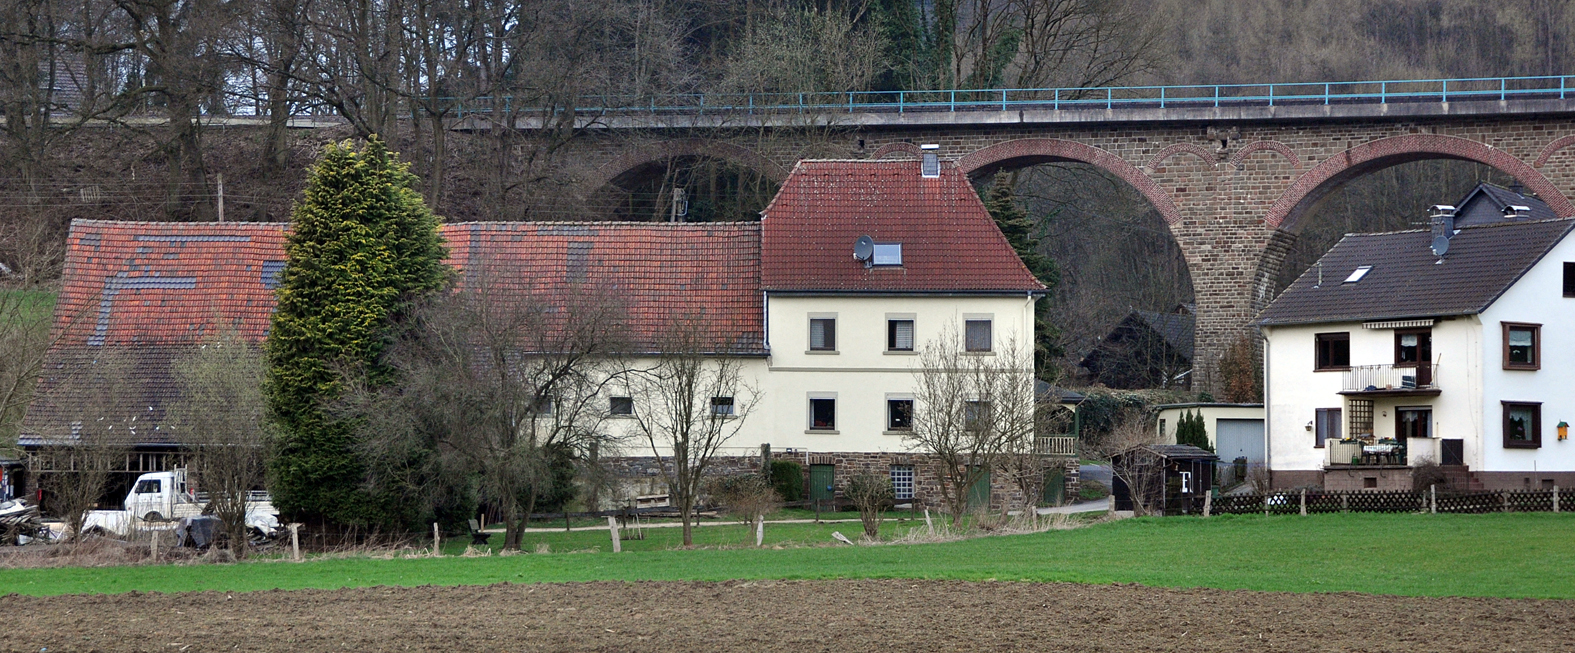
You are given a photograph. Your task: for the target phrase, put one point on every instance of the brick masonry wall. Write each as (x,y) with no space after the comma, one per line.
(639,475)
(1233,194)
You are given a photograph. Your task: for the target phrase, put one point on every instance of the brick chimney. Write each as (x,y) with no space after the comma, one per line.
(1442,219)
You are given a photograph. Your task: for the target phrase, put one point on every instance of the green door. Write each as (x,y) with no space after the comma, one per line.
(979,494)
(1055,486)
(821,482)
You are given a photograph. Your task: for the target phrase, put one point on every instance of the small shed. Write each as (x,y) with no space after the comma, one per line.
(1170,479)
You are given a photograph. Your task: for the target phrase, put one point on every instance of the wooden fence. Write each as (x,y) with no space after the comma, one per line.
(1303,502)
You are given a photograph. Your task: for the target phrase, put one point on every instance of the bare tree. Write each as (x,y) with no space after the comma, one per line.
(497,384)
(691,400)
(26,315)
(222,419)
(971,410)
(95,404)
(869,492)
(1131,462)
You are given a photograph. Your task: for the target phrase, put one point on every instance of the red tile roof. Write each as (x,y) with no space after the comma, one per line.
(151,289)
(949,242)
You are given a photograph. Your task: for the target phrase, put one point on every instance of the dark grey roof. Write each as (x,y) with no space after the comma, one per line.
(1175,328)
(1485,205)
(1405,282)
(1046,392)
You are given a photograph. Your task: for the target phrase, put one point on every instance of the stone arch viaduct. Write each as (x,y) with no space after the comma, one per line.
(1232,183)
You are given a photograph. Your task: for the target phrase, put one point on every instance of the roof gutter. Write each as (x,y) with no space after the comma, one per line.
(911,293)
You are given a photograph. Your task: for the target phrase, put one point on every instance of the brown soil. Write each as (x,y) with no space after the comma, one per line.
(781,616)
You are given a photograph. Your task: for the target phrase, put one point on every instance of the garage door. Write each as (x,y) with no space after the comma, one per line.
(1239,438)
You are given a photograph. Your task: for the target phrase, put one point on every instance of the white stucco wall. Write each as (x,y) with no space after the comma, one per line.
(1537,298)
(861,374)
(1212,414)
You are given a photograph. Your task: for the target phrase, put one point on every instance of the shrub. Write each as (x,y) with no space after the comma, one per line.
(869,493)
(1092,490)
(788,479)
(745,496)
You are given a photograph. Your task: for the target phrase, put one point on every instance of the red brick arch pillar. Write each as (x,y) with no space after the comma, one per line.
(684,147)
(1030,151)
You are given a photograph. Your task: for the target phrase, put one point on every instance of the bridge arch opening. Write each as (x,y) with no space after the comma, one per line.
(1384,185)
(711,181)
(1123,310)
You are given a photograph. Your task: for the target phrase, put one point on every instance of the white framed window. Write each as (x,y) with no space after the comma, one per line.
(899,334)
(822,412)
(902,482)
(722,406)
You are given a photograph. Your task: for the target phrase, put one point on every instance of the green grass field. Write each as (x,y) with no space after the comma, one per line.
(1505,555)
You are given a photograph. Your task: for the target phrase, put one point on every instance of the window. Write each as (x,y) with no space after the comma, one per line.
(1569,279)
(620,406)
(1413,346)
(976,415)
(722,406)
(902,482)
(1361,417)
(541,406)
(1358,273)
(1522,346)
(1522,425)
(823,334)
(888,254)
(822,414)
(1334,352)
(1326,426)
(899,335)
(976,335)
(899,414)
(150,486)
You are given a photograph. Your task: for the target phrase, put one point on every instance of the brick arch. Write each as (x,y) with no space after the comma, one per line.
(1312,185)
(1028,151)
(1258,146)
(1180,148)
(1551,149)
(896,148)
(669,149)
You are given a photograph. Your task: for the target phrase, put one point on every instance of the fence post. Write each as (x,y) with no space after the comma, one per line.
(1345,502)
(1265,505)
(435,550)
(1432,491)
(295,542)
(156,545)
(760,530)
(1555,498)
(1208,503)
(1505,496)
(612,527)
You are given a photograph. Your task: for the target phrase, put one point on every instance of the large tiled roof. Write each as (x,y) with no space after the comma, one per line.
(1485,205)
(146,292)
(949,242)
(1407,282)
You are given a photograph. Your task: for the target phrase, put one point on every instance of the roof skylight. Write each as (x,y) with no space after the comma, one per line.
(1358,273)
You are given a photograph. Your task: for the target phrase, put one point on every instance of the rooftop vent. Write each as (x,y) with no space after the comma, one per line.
(930,165)
(1515,211)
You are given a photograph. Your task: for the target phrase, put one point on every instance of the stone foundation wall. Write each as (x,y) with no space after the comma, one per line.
(1384,479)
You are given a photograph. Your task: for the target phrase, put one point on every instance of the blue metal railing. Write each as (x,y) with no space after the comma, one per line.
(1113,97)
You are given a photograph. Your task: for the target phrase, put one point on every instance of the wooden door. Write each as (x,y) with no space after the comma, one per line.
(822,482)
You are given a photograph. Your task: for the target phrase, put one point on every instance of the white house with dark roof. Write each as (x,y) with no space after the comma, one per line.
(1454,345)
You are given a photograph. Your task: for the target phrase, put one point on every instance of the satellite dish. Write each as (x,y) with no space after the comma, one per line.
(863,248)
(1440,245)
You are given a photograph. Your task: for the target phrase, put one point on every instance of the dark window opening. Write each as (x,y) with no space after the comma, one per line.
(823,334)
(823,414)
(1413,346)
(1569,279)
(1334,351)
(722,406)
(976,415)
(977,335)
(1327,426)
(1522,425)
(899,414)
(620,406)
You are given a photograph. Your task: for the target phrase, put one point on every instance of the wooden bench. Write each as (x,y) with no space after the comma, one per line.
(477,536)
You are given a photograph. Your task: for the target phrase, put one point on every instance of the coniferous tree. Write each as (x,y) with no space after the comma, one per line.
(1022,233)
(362,245)
(1192,430)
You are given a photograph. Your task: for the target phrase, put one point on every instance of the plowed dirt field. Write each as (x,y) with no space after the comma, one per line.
(884,615)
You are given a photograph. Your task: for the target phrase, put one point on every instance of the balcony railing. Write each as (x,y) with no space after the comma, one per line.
(1378,380)
(1056,445)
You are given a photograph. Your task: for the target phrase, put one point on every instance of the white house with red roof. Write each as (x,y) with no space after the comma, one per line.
(829,341)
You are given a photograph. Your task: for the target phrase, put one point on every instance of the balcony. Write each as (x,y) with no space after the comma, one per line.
(1418,380)
(1056,445)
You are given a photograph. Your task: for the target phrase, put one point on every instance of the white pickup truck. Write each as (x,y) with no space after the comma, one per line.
(159,499)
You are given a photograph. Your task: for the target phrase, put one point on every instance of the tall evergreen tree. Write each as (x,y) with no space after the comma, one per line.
(362,245)
(1023,234)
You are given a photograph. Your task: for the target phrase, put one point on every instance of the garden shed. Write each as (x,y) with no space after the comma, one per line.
(1168,479)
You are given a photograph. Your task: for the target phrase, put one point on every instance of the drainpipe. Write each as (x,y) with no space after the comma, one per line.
(1268,421)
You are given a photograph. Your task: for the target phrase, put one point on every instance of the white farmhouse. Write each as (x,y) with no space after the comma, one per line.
(828,343)
(1454,345)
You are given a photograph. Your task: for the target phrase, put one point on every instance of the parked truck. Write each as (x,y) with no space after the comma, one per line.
(158,500)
